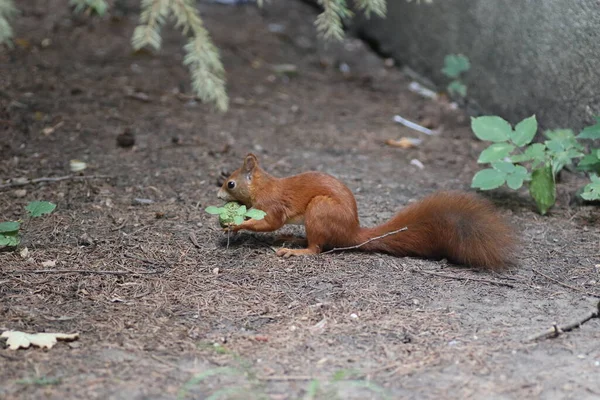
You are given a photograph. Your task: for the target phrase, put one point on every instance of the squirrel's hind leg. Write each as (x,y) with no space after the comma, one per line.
(325,226)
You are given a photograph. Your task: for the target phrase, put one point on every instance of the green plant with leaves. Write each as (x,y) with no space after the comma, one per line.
(10,230)
(233,213)
(454,66)
(515,160)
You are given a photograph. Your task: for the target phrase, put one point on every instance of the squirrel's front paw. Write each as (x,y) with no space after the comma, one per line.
(232,228)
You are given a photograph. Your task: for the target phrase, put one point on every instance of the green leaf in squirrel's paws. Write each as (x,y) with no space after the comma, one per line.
(255,214)
(214,210)
(10,226)
(542,188)
(238,219)
(524,131)
(39,208)
(491,128)
(241,211)
(488,179)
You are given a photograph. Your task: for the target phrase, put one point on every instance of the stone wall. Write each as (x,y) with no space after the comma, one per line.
(527,56)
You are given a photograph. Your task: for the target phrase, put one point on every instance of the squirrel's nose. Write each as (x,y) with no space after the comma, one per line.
(223,195)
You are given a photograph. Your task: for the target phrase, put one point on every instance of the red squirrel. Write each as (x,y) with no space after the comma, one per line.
(461,227)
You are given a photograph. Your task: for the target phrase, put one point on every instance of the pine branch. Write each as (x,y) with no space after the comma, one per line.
(7,12)
(153,15)
(202,58)
(377,7)
(330,22)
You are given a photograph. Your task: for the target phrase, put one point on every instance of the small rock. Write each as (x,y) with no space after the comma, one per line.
(19,193)
(49,263)
(24,252)
(216,271)
(138,200)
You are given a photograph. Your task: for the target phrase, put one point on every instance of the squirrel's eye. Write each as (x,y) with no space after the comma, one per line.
(231,184)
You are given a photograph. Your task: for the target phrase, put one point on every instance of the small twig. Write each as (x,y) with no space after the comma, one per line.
(565,284)
(412,125)
(24,182)
(78,271)
(286,378)
(368,241)
(557,330)
(194,240)
(464,278)
(8,357)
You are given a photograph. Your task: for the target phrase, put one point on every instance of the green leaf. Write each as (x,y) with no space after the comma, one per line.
(555,145)
(542,188)
(255,214)
(524,131)
(503,166)
(457,88)
(590,162)
(591,191)
(10,226)
(535,152)
(10,239)
(238,219)
(495,152)
(563,139)
(591,132)
(488,179)
(39,208)
(517,177)
(455,64)
(214,210)
(491,128)
(241,211)
(560,134)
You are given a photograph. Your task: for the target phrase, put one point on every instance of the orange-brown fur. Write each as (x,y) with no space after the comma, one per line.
(462,227)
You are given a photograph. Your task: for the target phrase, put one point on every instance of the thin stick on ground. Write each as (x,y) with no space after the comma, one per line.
(368,241)
(464,278)
(78,271)
(24,182)
(557,330)
(565,284)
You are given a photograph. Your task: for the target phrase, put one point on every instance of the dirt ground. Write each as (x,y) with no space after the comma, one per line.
(162,317)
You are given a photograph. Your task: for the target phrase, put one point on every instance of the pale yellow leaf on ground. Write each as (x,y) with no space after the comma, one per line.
(17,339)
(49,263)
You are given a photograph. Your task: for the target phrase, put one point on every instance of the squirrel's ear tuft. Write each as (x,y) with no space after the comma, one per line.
(250,162)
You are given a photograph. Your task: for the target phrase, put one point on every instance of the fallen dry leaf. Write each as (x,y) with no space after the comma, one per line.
(404,143)
(49,263)
(17,339)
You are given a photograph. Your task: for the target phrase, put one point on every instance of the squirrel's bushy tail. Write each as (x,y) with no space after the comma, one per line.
(462,227)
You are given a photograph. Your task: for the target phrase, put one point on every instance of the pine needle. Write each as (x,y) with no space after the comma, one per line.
(7,12)
(330,22)
(152,17)
(202,57)
(377,7)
